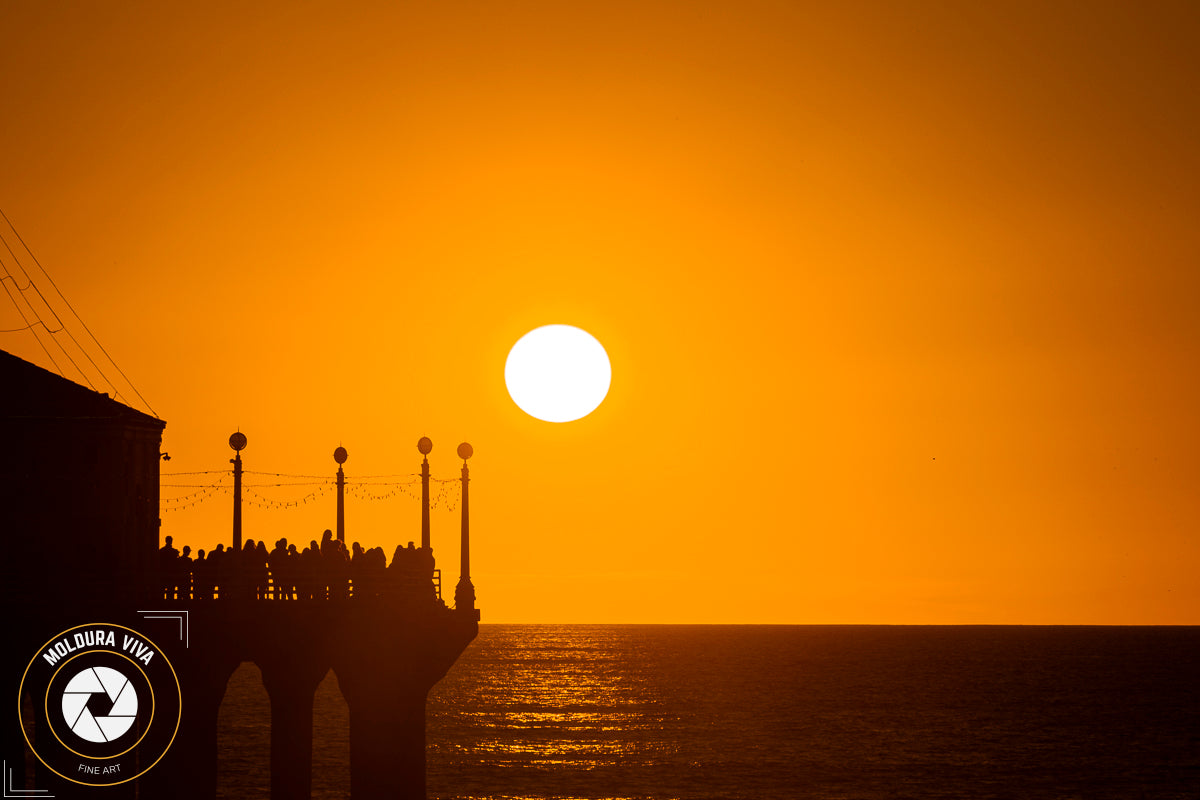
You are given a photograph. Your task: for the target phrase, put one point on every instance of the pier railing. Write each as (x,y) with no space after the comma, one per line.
(268,587)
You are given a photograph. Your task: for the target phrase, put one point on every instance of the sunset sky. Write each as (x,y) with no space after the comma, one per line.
(901,299)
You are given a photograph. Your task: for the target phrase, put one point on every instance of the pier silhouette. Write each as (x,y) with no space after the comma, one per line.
(80,501)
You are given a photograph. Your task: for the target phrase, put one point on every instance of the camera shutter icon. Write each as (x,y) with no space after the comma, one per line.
(100,704)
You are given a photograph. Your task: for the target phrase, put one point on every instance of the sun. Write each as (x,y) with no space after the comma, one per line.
(558,373)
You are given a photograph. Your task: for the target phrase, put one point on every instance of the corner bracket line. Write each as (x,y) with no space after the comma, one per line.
(184,623)
(26,793)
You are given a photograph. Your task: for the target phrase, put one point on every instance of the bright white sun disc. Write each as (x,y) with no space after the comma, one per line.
(557,373)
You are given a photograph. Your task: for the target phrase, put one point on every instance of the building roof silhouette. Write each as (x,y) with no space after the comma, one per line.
(33,393)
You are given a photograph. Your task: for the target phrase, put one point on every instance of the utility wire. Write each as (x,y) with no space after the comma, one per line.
(29,284)
(76,313)
(61,326)
(42,322)
(26,320)
(28,327)
(14,280)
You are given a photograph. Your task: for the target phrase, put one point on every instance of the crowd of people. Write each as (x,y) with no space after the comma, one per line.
(325,571)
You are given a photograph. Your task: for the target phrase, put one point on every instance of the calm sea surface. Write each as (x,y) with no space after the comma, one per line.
(822,712)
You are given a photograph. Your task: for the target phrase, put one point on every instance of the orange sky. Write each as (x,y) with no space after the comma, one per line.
(900,298)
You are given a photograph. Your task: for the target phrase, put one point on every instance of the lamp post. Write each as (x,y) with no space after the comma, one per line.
(238,442)
(340,455)
(424,446)
(464,593)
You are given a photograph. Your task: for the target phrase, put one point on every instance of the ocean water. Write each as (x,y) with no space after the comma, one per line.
(822,712)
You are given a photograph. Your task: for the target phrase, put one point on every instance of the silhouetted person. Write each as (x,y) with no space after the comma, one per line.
(291,566)
(425,561)
(378,564)
(425,566)
(368,575)
(276,560)
(397,566)
(244,570)
(183,574)
(339,571)
(357,563)
(167,554)
(201,584)
(310,572)
(374,569)
(328,548)
(220,572)
(404,573)
(261,571)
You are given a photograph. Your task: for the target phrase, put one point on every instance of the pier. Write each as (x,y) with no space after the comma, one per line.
(386,657)
(79,486)
(387,635)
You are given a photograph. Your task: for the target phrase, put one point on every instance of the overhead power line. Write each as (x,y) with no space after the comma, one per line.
(32,325)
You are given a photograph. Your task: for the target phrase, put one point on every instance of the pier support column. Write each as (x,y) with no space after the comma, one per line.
(387,746)
(386,665)
(189,769)
(291,684)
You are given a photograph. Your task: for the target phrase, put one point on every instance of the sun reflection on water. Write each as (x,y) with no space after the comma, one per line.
(559,696)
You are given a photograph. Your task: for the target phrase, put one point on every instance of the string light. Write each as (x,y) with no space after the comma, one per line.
(445,493)
(186,501)
(259,501)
